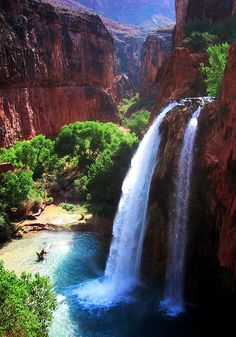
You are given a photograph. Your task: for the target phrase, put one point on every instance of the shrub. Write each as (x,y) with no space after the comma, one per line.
(36,154)
(138,123)
(215,71)
(15,188)
(26,304)
(68,207)
(5,228)
(219,32)
(106,174)
(125,105)
(200,41)
(103,152)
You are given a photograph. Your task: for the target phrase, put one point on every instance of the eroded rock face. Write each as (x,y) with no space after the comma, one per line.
(155,51)
(189,10)
(55,68)
(161,193)
(211,256)
(218,160)
(180,77)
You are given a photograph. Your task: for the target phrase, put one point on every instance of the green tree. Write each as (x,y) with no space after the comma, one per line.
(218,55)
(138,123)
(15,188)
(106,174)
(26,304)
(5,228)
(200,41)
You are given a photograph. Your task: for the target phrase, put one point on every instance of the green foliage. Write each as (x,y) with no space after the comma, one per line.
(201,34)
(68,207)
(138,123)
(124,106)
(5,228)
(106,174)
(215,71)
(26,305)
(103,154)
(15,188)
(200,41)
(200,26)
(36,154)
(70,163)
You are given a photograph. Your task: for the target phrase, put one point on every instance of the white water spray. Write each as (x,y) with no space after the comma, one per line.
(122,272)
(173,302)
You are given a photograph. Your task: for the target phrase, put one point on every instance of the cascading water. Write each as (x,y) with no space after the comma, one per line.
(123,264)
(173,302)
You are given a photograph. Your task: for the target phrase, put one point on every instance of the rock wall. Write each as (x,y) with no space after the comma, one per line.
(155,51)
(56,67)
(217,160)
(189,10)
(128,42)
(211,256)
(180,77)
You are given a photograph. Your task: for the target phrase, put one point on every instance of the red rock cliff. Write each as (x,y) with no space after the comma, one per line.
(180,77)
(155,51)
(189,10)
(218,160)
(56,67)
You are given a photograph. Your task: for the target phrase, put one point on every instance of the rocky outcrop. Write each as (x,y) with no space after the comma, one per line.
(56,67)
(129,53)
(161,193)
(155,51)
(128,42)
(180,77)
(124,88)
(211,254)
(190,10)
(217,159)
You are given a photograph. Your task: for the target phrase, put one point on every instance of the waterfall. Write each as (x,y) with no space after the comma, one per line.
(123,264)
(173,302)
(122,271)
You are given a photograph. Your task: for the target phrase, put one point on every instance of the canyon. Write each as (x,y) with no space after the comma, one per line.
(56,67)
(149,13)
(45,83)
(155,51)
(212,248)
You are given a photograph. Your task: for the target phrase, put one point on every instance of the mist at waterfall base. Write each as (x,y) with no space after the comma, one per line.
(122,273)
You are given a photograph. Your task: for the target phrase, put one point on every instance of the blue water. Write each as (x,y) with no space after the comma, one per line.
(78,258)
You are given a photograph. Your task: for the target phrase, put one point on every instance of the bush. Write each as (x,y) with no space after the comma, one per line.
(106,174)
(215,71)
(200,41)
(5,228)
(200,32)
(103,153)
(68,207)
(26,304)
(125,105)
(138,123)
(70,163)
(36,154)
(15,188)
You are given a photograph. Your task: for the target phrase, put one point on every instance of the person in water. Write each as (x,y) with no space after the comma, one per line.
(43,253)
